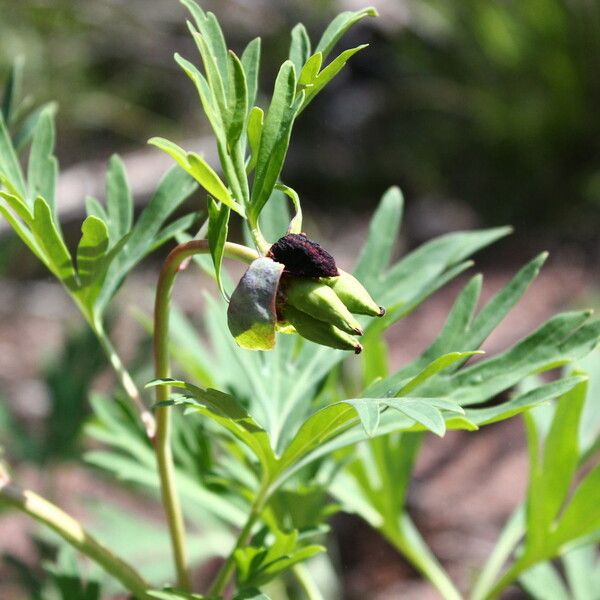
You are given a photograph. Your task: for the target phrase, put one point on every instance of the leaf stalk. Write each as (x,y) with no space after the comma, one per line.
(72,531)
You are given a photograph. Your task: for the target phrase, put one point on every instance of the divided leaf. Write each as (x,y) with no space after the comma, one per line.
(201,171)
(275,137)
(218,220)
(227,412)
(42,169)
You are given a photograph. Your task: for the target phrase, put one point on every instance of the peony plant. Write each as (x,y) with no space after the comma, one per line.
(274,437)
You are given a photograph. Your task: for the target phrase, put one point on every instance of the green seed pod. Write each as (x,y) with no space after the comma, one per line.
(320,332)
(320,301)
(353,294)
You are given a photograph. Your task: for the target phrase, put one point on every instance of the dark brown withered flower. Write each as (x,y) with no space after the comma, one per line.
(303,257)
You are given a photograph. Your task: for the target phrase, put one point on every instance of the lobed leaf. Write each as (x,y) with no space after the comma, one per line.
(42,169)
(251,63)
(229,413)
(339,26)
(210,29)
(275,137)
(200,170)
(375,255)
(218,227)
(295,225)
(11,91)
(59,259)
(299,47)
(119,202)
(254,130)
(91,250)
(320,80)
(237,107)
(174,187)
(9,162)
(207,97)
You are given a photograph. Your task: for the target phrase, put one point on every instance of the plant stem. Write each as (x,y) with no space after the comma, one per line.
(72,531)
(509,577)
(407,539)
(306,582)
(509,538)
(224,575)
(146,416)
(162,440)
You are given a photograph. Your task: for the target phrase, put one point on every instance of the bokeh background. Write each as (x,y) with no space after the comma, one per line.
(485,112)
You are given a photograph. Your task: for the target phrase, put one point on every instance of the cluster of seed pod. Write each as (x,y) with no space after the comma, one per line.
(306,294)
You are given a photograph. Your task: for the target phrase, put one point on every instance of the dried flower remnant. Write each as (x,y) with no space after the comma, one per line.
(303,257)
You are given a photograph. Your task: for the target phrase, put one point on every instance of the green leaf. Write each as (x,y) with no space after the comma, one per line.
(91,250)
(131,459)
(94,208)
(251,594)
(339,26)
(176,595)
(49,238)
(251,63)
(436,366)
(227,412)
(175,229)
(218,220)
(210,29)
(335,419)
(252,315)
(500,304)
(368,413)
(275,137)
(383,231)
(589,425)
(238,100)
(461,330)
(421,411)
(295,225)
(255,128)
(18,206)
(310,70)
(563,338)
(318,428)
(42,169)
(582,571)
(257,565)
(207,98)
(561,455)
(582,514)
(200,170)
(23,232)
(543,582)
(275,216)
(9,162)
(328,73)
(375,358)
(118,199)
(11,90)
(455,328)
(217,81)
(430,260)
(522,402)
(299,47)
(175,187)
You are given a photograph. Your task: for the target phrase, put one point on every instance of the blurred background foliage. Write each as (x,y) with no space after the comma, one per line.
(484,111)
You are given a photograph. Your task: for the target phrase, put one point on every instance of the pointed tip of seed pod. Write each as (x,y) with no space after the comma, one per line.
(381,311)
(358,349)
(358,331)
